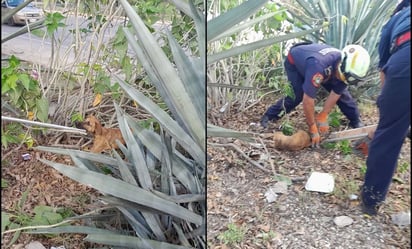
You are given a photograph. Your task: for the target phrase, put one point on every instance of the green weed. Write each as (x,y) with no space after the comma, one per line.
(345,187)
(403,167)
(233,235)
(18,218)
(334,118)
(4,183)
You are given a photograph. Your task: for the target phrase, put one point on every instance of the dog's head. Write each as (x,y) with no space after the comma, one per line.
(91,124)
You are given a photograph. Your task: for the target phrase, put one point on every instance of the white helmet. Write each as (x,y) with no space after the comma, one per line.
(355,63)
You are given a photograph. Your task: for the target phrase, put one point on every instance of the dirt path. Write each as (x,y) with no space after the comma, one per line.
(298,218)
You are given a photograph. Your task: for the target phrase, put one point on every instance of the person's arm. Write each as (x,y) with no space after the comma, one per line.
(309,109)
(330,102)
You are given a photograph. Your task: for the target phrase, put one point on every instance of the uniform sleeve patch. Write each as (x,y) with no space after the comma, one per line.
(317,79)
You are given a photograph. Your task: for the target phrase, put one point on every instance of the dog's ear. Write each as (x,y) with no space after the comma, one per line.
(97,127)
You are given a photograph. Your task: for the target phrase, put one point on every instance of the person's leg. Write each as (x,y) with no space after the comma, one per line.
(394,121)
(286,104)
(348,107)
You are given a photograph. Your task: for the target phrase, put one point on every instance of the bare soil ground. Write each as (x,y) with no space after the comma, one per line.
(298,218)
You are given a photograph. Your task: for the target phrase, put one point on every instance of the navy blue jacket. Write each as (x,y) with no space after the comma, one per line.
(397,25)
(317,64)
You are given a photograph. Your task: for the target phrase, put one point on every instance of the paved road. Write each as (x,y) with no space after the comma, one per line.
(35,49)
(38,49)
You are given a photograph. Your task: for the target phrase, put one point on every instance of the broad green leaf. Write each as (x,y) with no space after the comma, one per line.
(42,105)
(25,81)
(121,189)
(232,17)
(45,215)
(255,45)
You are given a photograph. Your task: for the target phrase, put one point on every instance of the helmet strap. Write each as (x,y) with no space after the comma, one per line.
(339,73)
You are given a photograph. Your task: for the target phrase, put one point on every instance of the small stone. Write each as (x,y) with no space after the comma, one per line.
(271,196)
(280,187)
(343,221)
(34,245)
(402,219)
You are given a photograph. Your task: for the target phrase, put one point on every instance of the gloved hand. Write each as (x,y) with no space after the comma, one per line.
(362,146)
(314,135)
(322,122)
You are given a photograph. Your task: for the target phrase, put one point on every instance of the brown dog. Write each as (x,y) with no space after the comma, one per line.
(297,141)
(103,138)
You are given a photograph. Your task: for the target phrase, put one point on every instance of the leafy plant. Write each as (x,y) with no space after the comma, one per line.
(156,190)
(18,218)
(23,90)
(287,128)
(345,147)
(232,235)
(335,118)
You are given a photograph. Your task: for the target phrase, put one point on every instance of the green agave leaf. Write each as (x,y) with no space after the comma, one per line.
(130,242)
(166,77)
(216,131)
(190,75)
(166,121)
(70,229)
(94,157)
(140,229)
(180,169)
(127,176)
(255,45)
(232,17)
(246,24)
(200,23)
(375,13)
(136,156)
(121,189)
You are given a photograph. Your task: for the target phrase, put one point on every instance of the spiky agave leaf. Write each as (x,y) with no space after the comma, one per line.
(166,79)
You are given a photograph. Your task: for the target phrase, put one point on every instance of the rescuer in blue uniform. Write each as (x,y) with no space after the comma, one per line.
(309,66)
(394,103)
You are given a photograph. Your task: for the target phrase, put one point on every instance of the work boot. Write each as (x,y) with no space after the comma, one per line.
(356,124)
(264,121)
(369,210)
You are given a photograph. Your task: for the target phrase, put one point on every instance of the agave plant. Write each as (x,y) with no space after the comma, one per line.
(158,185)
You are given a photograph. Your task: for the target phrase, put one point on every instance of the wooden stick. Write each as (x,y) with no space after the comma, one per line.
(53,126)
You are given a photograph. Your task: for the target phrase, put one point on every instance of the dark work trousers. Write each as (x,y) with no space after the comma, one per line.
(394,103)
(345,103)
